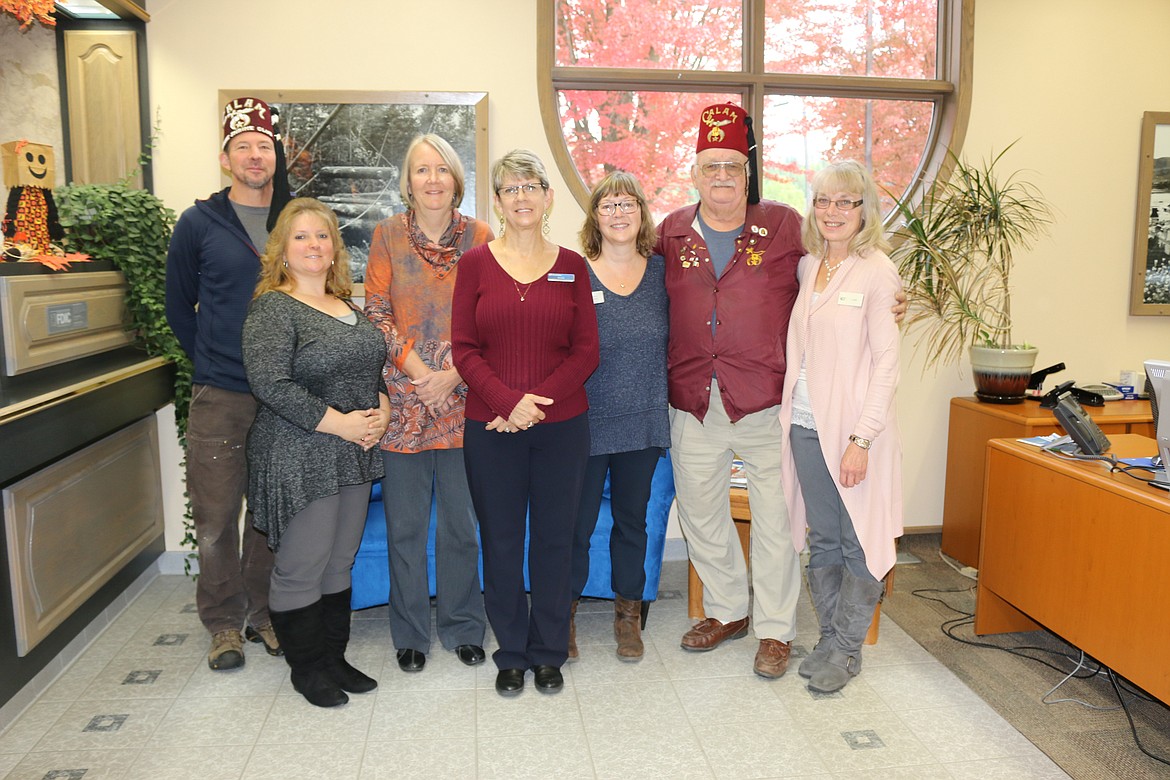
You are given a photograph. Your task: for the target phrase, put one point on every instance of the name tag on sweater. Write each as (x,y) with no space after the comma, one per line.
(561,277)
(850,299)
(598,296)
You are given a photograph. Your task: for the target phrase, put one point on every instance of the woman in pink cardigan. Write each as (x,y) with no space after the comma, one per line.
(843,460)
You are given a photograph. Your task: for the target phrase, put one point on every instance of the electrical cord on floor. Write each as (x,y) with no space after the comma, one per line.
(1069,676)
(1128,716)
(965,618)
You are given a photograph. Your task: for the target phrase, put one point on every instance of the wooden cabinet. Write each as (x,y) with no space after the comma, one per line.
(973,423)
(1080,551)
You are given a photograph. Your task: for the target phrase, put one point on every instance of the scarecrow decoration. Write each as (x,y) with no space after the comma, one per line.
(30,224)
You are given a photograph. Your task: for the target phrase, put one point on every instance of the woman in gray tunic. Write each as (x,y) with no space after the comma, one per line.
(314,364)
(628,422)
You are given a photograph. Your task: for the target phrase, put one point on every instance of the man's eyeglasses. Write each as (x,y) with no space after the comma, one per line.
(513,191)
(609,209)
(843,205)
(733,169)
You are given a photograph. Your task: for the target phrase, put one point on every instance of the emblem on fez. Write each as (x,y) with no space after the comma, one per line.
(240,119)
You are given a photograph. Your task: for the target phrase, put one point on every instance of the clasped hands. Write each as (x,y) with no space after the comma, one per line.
(526,414)
(366,427)
(437,390)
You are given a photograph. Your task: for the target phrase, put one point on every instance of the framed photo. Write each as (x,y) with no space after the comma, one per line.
(1150,286)
(345,148)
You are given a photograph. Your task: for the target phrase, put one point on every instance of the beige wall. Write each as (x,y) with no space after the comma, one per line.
(1073,94)
(30,99)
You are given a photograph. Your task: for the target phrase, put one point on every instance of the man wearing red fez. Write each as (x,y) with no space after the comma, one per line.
(212,264)
(731,264)
(731,276)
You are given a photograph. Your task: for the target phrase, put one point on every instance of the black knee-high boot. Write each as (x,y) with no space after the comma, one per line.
(301,634)
(335,617)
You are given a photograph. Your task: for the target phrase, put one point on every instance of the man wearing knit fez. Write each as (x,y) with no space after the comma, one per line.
(731,264)
(212,265)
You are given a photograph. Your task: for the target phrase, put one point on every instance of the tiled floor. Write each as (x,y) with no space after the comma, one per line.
(140,702)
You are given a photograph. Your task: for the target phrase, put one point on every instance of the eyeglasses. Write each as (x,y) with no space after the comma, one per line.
(844,205)
(609,209)
(732,169)
(513,191)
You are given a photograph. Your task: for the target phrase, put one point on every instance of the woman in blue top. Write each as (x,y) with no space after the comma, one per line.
(628,422)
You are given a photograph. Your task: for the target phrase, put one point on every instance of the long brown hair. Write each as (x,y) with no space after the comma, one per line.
(274,273)
(616,183)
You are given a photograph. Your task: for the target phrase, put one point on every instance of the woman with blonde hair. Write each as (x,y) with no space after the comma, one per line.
(414,261)
(842,468)
(314,363)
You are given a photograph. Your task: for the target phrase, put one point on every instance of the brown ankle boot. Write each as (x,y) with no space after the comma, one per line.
(573,630)
(627,628)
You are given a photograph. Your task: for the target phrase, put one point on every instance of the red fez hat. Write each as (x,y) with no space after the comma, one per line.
(727,126)
(246,115)
(722,126)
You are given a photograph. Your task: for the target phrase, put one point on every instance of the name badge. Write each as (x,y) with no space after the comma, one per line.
(850,299)
(561,277)
(598,296)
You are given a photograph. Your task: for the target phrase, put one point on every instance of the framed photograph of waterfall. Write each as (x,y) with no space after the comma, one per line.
(345,148)
(1150,285)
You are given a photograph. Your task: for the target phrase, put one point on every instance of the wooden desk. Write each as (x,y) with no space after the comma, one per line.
(1080,551)
(973,423)
(741,513)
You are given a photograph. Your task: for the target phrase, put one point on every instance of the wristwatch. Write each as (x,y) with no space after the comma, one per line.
(860,442)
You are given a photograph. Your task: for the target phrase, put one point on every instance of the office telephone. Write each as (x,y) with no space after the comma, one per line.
(1071,416)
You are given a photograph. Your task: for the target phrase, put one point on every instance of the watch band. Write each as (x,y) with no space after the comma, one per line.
(860,442)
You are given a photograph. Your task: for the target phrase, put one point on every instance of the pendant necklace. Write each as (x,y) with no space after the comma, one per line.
(829,269)
(527,287)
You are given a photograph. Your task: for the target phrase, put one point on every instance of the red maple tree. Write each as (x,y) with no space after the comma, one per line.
(652,133)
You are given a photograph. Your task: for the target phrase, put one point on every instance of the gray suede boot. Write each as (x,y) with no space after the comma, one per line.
(823,583)
(851,621)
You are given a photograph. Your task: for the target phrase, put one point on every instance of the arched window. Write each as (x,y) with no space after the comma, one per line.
(883,82)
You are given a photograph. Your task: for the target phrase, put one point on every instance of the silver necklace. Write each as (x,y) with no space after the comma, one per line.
(829,269)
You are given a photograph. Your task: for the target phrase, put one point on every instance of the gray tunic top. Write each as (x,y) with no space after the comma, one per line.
(627,392)
(299,362)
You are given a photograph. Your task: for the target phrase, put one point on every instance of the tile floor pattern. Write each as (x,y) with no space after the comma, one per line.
(140,702)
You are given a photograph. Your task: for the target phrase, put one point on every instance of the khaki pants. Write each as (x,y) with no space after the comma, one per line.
(701,454)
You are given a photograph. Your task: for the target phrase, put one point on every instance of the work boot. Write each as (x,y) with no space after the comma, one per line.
(573,629)
(335,619)
(824,582)
(851,620)
(301,634)
(627,628)
(265,635)
(227,651)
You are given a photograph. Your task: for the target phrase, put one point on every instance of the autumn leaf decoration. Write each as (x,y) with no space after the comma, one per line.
(27,11)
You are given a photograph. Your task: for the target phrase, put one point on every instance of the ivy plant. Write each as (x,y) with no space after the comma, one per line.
(131,228)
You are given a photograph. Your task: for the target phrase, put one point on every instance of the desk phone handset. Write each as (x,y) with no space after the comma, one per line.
(1076,424)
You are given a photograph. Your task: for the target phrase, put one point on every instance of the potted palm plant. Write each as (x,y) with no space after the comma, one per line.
(955,252)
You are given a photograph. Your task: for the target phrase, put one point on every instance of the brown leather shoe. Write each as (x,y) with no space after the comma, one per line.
(772,658)
(710,633)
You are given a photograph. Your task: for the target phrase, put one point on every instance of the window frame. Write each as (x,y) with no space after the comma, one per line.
(950,91)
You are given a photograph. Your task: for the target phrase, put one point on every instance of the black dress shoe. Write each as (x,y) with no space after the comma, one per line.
(510,682)
(411,660)
(548,678)
(470,655)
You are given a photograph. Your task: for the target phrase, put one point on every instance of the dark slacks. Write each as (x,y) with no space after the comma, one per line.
(630,477)
(233,581)
(317,550)
(538,471)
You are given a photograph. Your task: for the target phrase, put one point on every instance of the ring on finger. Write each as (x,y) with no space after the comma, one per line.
(530,425)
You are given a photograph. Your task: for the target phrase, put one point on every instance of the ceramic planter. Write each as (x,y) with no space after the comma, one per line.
(1001,375)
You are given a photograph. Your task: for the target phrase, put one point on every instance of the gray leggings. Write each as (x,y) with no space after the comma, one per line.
(831,538)
(316,552)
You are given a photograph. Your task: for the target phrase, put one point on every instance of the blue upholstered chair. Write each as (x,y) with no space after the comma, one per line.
(371,570)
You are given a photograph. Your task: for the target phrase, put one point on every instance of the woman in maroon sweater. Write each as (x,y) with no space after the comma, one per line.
(524,338)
